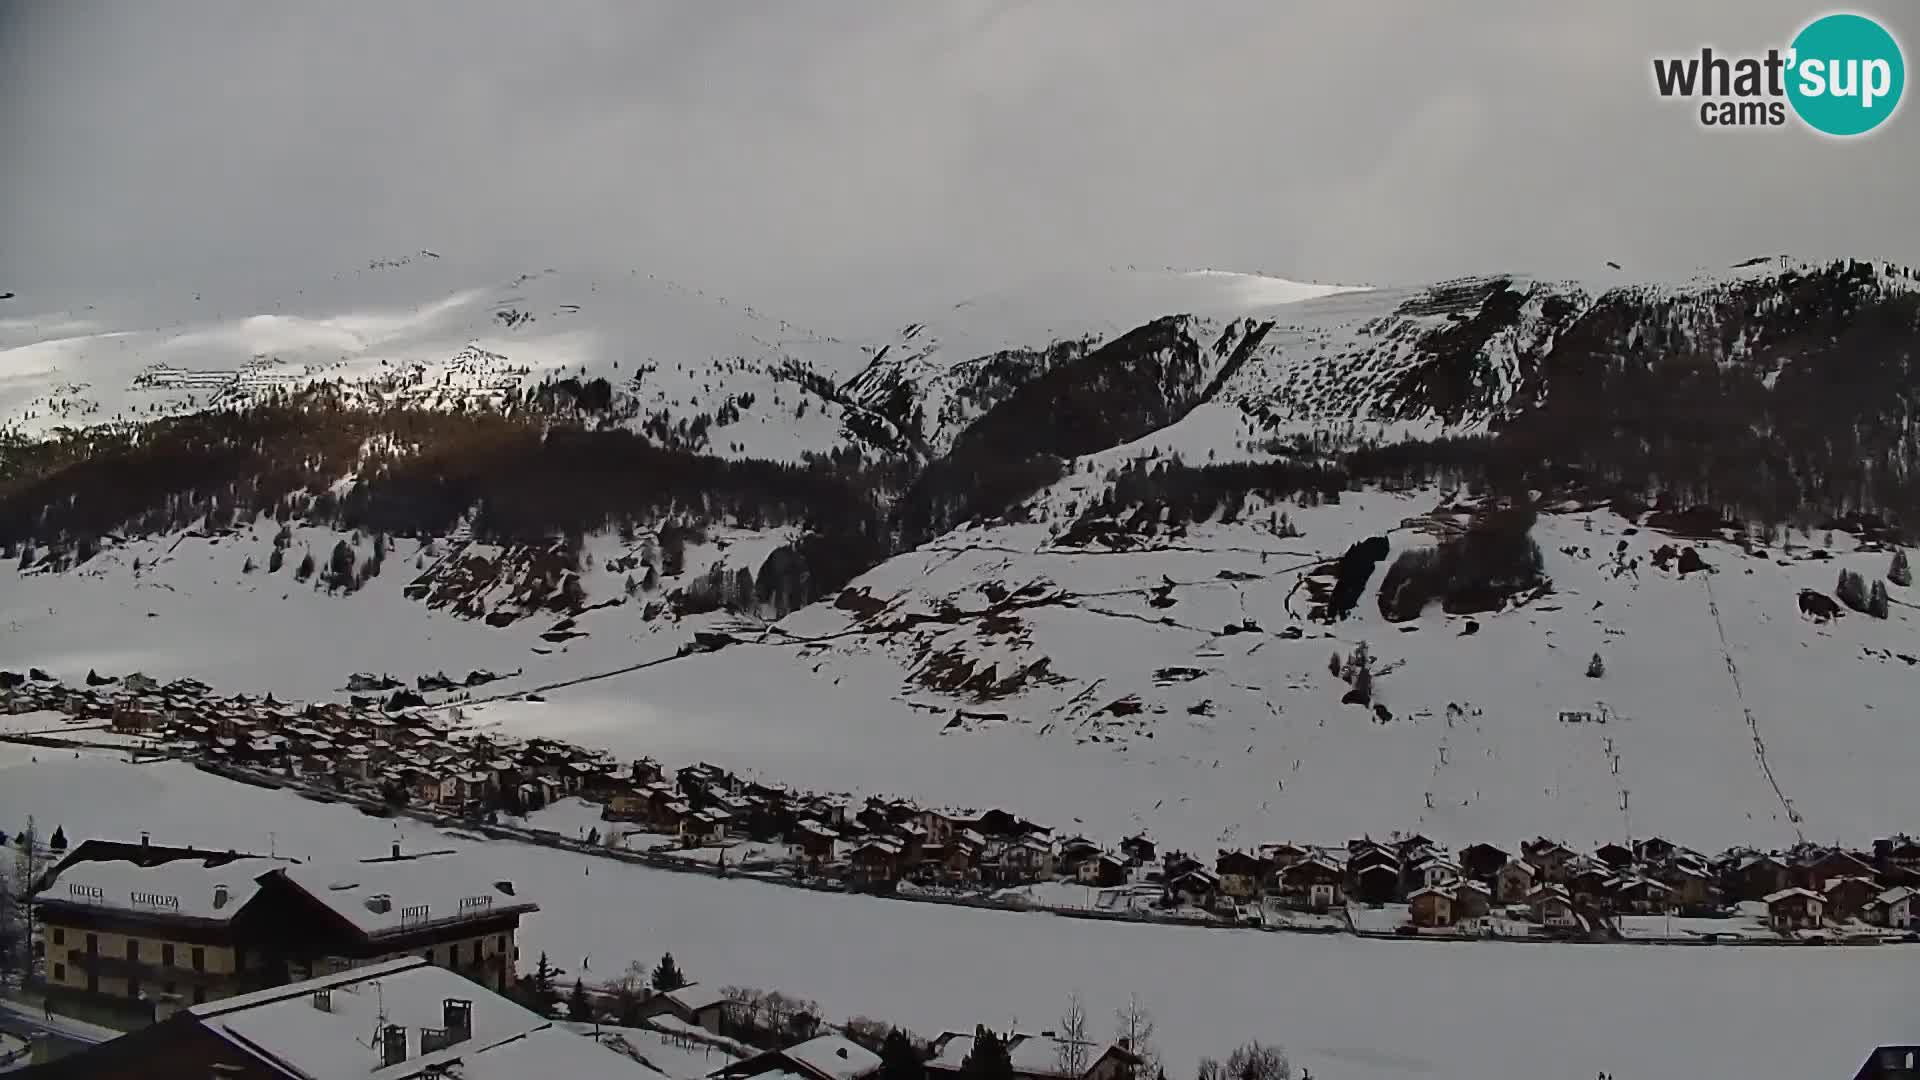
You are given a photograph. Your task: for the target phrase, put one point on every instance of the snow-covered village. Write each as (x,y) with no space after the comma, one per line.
(977,541)
(396,755)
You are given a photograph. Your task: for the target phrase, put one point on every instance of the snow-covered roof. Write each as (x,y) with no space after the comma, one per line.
(422,890)
(834,1057)
(185,887)
(694,997)
(1895,894)
(506,1041)
(1787,894)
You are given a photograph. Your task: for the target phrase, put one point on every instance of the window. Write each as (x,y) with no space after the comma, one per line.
(59,936)
(133,948)
(199,959)
(93,943)
(59,973)
(166,955)
(476,950)
(133,988)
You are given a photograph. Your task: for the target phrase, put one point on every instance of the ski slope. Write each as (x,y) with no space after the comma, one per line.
(1356,1009)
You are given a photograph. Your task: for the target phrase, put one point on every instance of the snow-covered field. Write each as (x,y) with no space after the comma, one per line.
(1151,714)
(1364,1010)
(1240,738)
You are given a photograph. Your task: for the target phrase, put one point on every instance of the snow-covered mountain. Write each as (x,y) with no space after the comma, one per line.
(1224,556)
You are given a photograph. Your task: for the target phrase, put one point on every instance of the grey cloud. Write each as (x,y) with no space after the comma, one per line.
(853,159)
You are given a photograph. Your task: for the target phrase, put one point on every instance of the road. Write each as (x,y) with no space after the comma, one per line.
(65,1036)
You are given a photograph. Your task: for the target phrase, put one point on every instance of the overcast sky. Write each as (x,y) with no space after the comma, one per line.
(839,159)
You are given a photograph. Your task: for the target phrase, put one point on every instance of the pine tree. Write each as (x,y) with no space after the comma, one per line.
(59,839)
(543,992)
(340,566)
(988,1059)
(276,560)
(578,1008)
(1877,602)
(1852,590)
(1596,667)
(247,566)
(305,569)
(667,976)
(626,1006)
(1899,572)
(898,1058)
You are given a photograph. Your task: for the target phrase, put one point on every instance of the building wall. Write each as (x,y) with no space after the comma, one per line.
(499,957)
(66,954)
(221,974)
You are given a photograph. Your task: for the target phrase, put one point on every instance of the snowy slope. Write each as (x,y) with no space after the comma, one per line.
(425,330)
(1113,702)
(188,605)
(1361,1010)
(958,362)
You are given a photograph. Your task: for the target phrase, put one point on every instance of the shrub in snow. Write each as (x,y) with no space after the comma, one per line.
(1900,573)
(1690,562)
(305,569)
(1852,590)
(1596,667)
(1877,599)
(274,561)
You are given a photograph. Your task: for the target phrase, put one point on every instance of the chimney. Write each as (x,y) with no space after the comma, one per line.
(457,1015)
(380,903)
(396,849)
(323,1000)
(219,896)
(393,1045)
(144,838)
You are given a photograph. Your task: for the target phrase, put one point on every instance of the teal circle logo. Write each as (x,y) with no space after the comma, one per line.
(1847,74)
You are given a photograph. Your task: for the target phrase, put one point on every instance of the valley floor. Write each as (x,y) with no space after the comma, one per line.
(1343,1007)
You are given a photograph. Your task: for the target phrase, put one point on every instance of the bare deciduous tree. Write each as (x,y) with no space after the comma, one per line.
(1133,1029)
(1259,1061)
(1072,1046)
